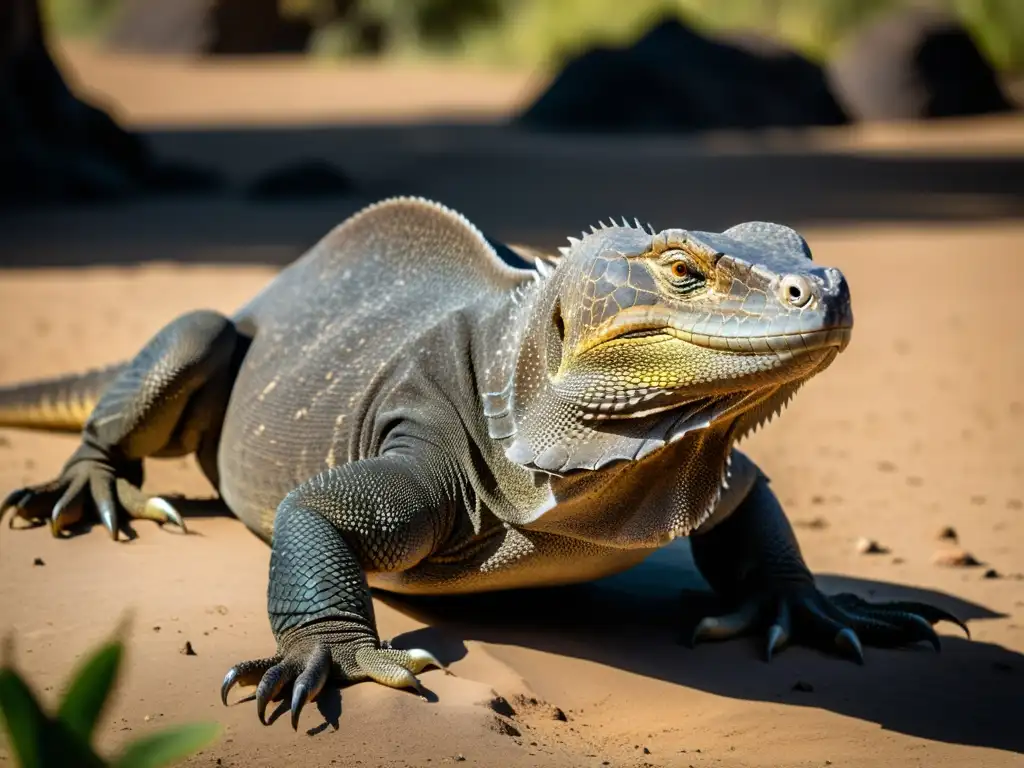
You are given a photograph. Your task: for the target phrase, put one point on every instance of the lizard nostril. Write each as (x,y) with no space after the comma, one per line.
(795,290)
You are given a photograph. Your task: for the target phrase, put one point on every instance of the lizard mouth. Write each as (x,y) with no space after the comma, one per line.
(781,343)
(718,400)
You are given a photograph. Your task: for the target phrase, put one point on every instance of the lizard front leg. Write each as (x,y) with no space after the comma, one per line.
(752,559)
(380,514)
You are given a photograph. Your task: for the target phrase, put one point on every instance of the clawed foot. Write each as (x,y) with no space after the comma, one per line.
(63,502)
(839,623)
(314,654)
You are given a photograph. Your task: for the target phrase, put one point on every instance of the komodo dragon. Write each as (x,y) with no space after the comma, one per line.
(403,409)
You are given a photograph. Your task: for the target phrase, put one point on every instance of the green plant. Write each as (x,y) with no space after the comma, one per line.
(42,740)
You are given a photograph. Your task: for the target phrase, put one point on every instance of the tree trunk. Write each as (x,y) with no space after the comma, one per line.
(55,147)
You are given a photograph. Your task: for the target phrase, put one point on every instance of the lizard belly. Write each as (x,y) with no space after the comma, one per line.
(510,558)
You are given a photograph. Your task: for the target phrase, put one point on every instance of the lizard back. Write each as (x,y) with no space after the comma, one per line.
(326,330)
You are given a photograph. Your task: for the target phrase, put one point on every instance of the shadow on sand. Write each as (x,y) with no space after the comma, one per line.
(516,185)
(970,694)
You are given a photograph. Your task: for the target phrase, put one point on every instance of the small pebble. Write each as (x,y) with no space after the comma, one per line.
(947,533)
(897,561)
(460,759)
(1014,504)
(886,466)
(647,751)
(803,686)
(954,558)
(866,546)
(991,573)
(39,561)
(187,649)
(558,714)
(147,718)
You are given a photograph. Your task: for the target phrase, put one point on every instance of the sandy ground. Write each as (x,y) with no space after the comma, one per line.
(914,428)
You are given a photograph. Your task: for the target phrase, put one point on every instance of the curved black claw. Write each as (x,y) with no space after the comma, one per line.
(846,640)
(842,624)
(779,631)
(246,673)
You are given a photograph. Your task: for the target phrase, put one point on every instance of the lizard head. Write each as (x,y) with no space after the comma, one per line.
(637,339)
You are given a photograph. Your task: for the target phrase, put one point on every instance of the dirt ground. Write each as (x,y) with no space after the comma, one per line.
(916,427)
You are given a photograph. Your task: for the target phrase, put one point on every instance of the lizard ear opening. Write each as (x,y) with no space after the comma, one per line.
(556,340)
(558,321)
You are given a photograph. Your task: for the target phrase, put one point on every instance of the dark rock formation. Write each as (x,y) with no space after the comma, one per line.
(913,64)
(674,79)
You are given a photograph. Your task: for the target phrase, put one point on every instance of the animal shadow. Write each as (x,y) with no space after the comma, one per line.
(970,694)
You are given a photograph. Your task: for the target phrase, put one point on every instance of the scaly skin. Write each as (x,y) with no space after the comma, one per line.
(402,409)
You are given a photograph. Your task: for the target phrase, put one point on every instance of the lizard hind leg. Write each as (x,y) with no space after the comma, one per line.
(165,402)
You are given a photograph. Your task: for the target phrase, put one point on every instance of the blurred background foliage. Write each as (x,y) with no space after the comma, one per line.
(543,33)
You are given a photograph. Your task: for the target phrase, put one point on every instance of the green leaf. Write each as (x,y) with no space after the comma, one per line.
(88,692)
(168,746)
(62,747)
(25,721)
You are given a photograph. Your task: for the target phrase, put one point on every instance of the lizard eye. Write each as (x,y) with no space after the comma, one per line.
(680,270)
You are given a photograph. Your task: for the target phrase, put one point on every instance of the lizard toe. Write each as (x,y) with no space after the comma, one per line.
(849,645)
(728,626)
(38,504)
(140,506)
(310,682)
(396,668)
(245,673)
(898,612)
(273,683)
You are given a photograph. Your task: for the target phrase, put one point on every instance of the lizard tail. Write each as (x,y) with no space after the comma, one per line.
(62,404)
